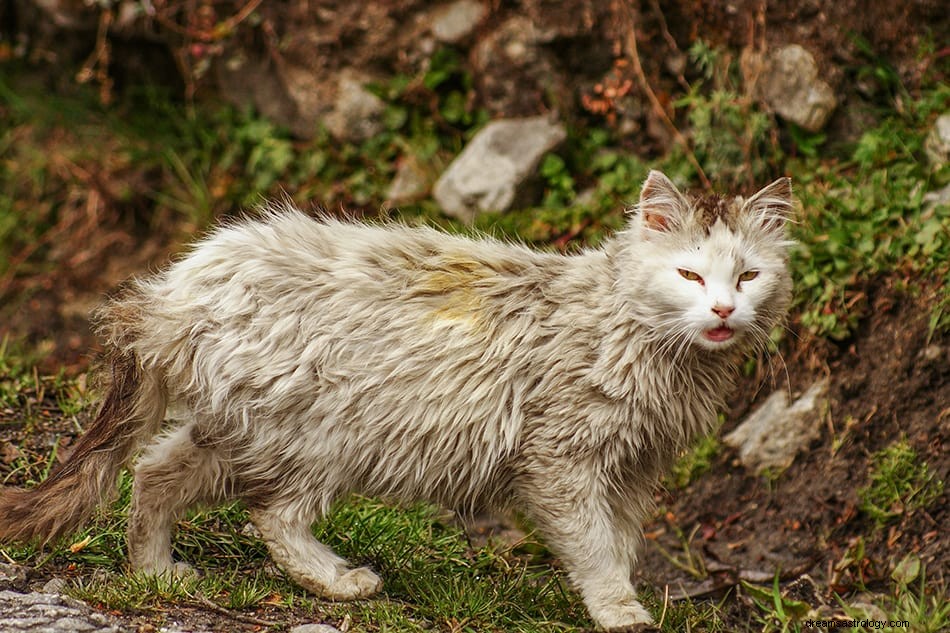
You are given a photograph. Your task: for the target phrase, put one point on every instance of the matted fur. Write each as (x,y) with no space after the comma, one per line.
(303,360)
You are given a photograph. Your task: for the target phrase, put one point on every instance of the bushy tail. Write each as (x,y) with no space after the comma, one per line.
(132,411)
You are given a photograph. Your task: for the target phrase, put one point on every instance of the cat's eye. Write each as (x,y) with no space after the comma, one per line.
(748,275)
(688,274)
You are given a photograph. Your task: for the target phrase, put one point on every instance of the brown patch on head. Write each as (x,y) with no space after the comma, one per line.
(711,208)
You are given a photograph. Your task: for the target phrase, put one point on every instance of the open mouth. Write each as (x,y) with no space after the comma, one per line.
(719,334)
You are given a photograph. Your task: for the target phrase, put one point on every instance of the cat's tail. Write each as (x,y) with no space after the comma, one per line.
(132,411)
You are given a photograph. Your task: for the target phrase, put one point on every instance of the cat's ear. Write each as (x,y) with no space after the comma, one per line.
(772,207)
(662,207)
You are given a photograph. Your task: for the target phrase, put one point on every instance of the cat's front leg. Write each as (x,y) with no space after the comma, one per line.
(597,547)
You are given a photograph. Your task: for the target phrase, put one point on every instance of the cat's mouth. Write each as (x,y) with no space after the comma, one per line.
(719,334)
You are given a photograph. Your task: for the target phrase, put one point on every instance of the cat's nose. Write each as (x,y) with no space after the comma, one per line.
(723,312)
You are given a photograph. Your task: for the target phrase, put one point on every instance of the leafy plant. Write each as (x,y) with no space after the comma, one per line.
(694,463)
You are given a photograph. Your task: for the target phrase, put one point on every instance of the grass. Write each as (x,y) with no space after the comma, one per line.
(899,483)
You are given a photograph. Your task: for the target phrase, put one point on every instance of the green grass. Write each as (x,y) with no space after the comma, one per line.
(899,483)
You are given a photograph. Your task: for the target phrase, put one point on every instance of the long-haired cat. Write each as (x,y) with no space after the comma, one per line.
(290,361)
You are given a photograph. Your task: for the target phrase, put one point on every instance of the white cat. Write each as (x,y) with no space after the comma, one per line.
(301,360)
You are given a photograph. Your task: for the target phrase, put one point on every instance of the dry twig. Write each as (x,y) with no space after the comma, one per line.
(630,41)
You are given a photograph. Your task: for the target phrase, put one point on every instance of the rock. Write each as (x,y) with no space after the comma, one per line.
(54,585)
(773,434)
(314,628)
(937,144)
(254,81)
(13,576)
(51,613)
(454,22)
(495,166)
(411,183)
(792,89)
(301,99)
(357,112)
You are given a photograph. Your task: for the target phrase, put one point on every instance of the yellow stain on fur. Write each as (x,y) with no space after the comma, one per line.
(452,287)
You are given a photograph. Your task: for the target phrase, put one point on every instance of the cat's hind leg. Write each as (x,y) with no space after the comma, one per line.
(310,563)
(172,475)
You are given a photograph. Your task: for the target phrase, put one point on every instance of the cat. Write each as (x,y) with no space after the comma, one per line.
(289,361)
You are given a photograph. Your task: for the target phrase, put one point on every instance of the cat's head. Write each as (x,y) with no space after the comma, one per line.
(711,271)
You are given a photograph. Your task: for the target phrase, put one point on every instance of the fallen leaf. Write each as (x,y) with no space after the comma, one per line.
(80,545)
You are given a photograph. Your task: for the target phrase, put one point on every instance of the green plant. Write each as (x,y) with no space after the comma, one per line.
(692,465)
(899,483)
(731,135)
(559,190)
(865,218)
(778,612)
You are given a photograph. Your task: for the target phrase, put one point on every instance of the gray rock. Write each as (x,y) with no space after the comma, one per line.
(13,576)
(937,144)
(300,98)
(773,434)
(51,613)
(247,80)
(357,112)
(496,165)
(54,585)
(792,89)
(454,22)
(411,183)
(314,628)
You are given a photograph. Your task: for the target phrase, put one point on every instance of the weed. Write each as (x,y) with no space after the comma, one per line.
(694,463)
(866,217)
(780,613)
(899,483)
(730,133)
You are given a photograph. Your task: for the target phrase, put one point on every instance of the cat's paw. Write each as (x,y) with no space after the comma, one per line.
(183,571)
(627,617)
(635,628)
(167,569)
(354,584)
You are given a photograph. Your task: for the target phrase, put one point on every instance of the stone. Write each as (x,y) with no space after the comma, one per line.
(54,585)
(301,99)
(254,81)
(357,112)
(454,22)
(773,434)
(937,144)
(496,165)
(792,89)
(52,613)
(411,182)
(314,628)
(13,576)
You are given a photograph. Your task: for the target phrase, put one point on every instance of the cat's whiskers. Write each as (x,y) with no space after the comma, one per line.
(761,339)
